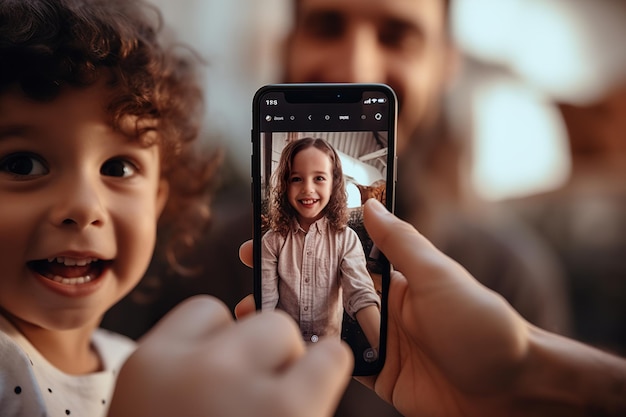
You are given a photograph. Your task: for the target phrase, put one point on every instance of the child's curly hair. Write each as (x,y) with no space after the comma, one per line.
(282,213)
(49,45)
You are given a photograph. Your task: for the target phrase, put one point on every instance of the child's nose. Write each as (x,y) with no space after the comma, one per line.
(79,204)
(309,186)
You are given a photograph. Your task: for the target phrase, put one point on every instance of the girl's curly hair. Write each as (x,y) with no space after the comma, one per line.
(282,213)
(47,46)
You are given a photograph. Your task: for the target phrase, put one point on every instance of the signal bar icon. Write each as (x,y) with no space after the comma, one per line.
(374,100)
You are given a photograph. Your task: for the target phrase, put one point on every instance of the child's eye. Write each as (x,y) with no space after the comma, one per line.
(295,179)
(320,178)
(118,168)
(23,165)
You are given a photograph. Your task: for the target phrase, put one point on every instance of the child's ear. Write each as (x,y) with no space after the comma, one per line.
(163,192)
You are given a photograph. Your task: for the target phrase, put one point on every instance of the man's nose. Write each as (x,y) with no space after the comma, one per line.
(360,58)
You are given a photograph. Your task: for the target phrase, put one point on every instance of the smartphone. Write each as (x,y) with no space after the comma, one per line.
(319,151)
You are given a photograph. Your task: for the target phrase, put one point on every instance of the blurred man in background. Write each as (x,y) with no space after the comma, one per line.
(407,44)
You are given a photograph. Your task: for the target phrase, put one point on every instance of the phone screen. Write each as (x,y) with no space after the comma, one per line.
(319,152)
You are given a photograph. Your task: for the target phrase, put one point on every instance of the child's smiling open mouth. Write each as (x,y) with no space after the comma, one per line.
(69,270)
(308,202)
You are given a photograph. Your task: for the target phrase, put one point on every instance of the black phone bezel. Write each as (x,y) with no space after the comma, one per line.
(326,93)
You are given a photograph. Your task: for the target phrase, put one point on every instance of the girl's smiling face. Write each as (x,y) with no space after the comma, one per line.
(310,185)
(79,209)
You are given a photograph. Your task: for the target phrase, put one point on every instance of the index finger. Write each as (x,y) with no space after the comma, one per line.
(245,307)
(245,253)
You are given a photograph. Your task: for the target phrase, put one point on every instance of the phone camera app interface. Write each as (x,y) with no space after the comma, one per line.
(318,262)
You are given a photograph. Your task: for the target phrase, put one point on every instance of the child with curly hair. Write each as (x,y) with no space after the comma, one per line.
(98,122)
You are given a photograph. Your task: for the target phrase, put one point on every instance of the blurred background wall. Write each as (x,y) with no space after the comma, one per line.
(520,57)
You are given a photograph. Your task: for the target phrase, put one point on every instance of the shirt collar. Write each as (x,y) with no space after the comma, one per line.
(320,226)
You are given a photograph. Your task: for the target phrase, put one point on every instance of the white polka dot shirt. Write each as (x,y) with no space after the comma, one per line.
(31,387)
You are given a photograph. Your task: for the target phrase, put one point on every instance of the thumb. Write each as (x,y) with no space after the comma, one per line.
(408,251)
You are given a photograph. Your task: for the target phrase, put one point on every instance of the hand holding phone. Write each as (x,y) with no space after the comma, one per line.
(319,152)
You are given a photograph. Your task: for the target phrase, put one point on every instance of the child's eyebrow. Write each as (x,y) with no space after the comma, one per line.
(13,130)
(314,173)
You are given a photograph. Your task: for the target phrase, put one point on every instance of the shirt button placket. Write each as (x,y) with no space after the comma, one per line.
(308,263)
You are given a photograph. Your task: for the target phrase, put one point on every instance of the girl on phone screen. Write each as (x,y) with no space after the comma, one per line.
(313,265)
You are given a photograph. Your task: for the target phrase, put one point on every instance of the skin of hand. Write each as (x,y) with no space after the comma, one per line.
(443,353)
(199,362)
(453,345)
(456,348)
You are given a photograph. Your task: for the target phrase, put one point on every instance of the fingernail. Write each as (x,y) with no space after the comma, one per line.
(377,206)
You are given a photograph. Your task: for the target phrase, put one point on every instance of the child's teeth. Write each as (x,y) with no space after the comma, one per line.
(72,281)
(72,262)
